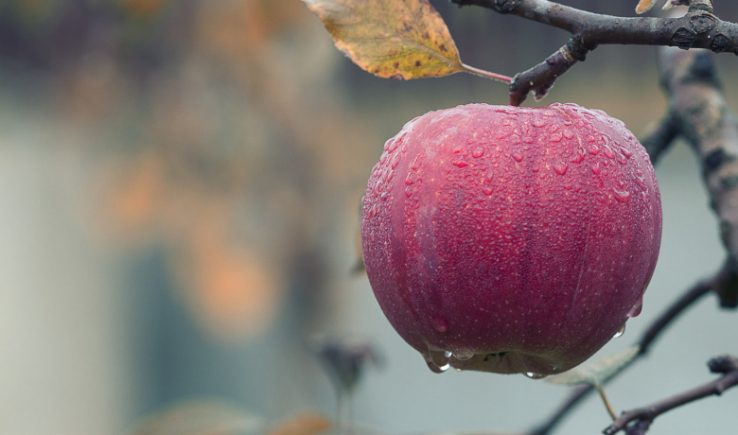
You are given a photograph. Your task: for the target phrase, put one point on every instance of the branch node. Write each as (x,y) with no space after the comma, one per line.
(683,38)
(723,364)
(703,22)
(576,49)
(566,53)
(505,6)
(640,427)
(720,43)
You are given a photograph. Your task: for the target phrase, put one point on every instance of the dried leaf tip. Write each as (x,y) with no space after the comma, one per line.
(645,6)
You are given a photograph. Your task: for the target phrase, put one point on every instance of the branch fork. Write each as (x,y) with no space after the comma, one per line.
(637,421)
(698,28)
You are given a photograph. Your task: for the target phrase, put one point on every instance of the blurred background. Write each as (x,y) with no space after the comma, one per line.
(179,195)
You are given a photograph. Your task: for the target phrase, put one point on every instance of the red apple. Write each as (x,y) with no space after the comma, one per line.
(508,239)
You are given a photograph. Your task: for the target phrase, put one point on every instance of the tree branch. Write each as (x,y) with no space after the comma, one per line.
(698,113)
(699,28)
(637,421)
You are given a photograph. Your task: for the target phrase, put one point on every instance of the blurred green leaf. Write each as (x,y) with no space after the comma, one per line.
(597,372)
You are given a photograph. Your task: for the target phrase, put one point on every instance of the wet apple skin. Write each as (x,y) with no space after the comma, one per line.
(518,239)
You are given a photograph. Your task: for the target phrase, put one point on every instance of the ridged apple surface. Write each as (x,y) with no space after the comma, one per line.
(508,239)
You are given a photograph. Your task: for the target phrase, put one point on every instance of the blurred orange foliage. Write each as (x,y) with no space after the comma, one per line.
(303,425)
(236,170)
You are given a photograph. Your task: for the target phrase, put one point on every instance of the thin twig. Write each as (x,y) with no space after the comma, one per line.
(726,365)
(657,327)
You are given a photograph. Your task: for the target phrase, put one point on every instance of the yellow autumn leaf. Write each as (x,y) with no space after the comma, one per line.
(400,39)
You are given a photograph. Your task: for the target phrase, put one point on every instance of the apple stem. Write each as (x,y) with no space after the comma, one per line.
(606,401)
(486,74)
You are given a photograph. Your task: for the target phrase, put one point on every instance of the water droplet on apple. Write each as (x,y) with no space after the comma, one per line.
(389,176)
(415,165)
(440,323)
(560,168)
(621,195)
(608,152)
(396,160)
(555,138)
(594,150)
(538,122)
(636,309)
(517,155)
(620,332)
(396,143)
(460,164)
(463,354)
(578,157)
(534,375)
(568,133)
(436,369)
(640,180)
(595,168)
(478,152)
(438,360)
